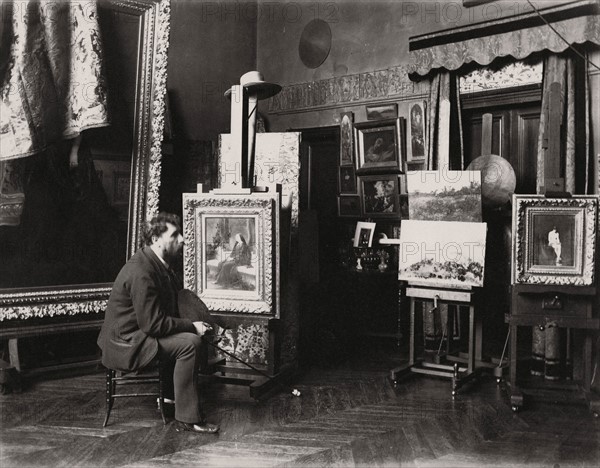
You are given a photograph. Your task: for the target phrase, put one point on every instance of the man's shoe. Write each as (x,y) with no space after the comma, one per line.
(200,428)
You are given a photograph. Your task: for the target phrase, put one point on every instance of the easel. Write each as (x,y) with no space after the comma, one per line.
(460,375)
(569,306)
(261,378)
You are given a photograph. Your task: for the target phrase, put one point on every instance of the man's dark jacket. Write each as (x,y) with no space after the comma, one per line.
(142,307)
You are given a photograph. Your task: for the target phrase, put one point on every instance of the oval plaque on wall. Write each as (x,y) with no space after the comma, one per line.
(315,43)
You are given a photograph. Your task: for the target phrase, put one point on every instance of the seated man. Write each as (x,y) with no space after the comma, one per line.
(142,321)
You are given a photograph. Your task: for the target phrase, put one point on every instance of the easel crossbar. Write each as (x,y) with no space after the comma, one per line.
(440,294)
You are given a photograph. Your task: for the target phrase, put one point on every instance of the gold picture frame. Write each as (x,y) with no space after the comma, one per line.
(214,227)
(554,240)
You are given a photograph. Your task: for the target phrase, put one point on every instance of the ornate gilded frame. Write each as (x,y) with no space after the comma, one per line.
(198,210)
(534,259)
(42,302)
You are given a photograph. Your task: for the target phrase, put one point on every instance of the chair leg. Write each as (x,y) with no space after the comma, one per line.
(161,394)
(110,375)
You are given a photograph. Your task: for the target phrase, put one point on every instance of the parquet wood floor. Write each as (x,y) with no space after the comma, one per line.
(347,416)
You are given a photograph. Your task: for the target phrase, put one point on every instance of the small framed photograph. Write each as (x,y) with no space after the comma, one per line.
(363,235)
(348,206)
(379,195)
(416,131)
(379,145)
(347,180)
(382,111)
(346,139)
(554,240)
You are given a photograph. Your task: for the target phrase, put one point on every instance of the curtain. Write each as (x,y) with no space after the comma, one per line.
(51,86)
(565,70)
(445,148)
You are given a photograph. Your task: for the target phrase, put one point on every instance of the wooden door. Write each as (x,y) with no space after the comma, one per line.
(515,130)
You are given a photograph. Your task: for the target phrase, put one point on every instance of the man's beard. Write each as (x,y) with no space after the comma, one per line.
(172,258)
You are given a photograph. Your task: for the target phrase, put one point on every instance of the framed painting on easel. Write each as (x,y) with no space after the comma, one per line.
(232,251)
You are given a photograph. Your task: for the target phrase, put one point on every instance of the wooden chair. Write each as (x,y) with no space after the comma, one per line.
(115,380)
(209,365)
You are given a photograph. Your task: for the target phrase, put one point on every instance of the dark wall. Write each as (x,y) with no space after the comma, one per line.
(212,45)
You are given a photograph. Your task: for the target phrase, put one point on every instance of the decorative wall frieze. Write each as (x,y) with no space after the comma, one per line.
(379,85)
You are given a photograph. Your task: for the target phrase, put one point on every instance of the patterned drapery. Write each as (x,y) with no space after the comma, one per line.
(445,148)
(518,44)
(52,87)
(562,69)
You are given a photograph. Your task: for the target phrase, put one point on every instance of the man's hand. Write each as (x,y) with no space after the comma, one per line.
(202,327)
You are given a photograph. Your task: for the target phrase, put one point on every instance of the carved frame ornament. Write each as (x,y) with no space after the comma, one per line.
(201,213)
(554,240)
(154,18)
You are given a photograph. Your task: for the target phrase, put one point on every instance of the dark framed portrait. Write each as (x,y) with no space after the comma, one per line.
(347,180)
(379,146)
(348,206)
(416,131)
(346,139)
(379,195)
(554,240)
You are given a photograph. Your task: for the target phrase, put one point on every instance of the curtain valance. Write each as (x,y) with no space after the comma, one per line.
(518,43)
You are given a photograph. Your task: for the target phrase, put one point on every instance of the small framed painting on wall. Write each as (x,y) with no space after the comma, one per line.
(348,206)
(379,146)
(416,138)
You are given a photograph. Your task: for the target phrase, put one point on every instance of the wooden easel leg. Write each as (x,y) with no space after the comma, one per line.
(516,396)
(405,369)
(411,360)
(478,340)
(471,363)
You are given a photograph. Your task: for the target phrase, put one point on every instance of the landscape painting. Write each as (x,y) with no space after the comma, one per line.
(442,253)
(444,195)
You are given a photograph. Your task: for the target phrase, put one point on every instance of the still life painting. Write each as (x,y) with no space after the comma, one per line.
(442,253)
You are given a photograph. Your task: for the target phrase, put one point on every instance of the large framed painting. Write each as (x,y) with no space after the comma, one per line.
(231,252)
(379,146)
(446,254)
(554,240)
(77,226)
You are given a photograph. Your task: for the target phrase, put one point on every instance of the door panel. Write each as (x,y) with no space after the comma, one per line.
(514,137)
